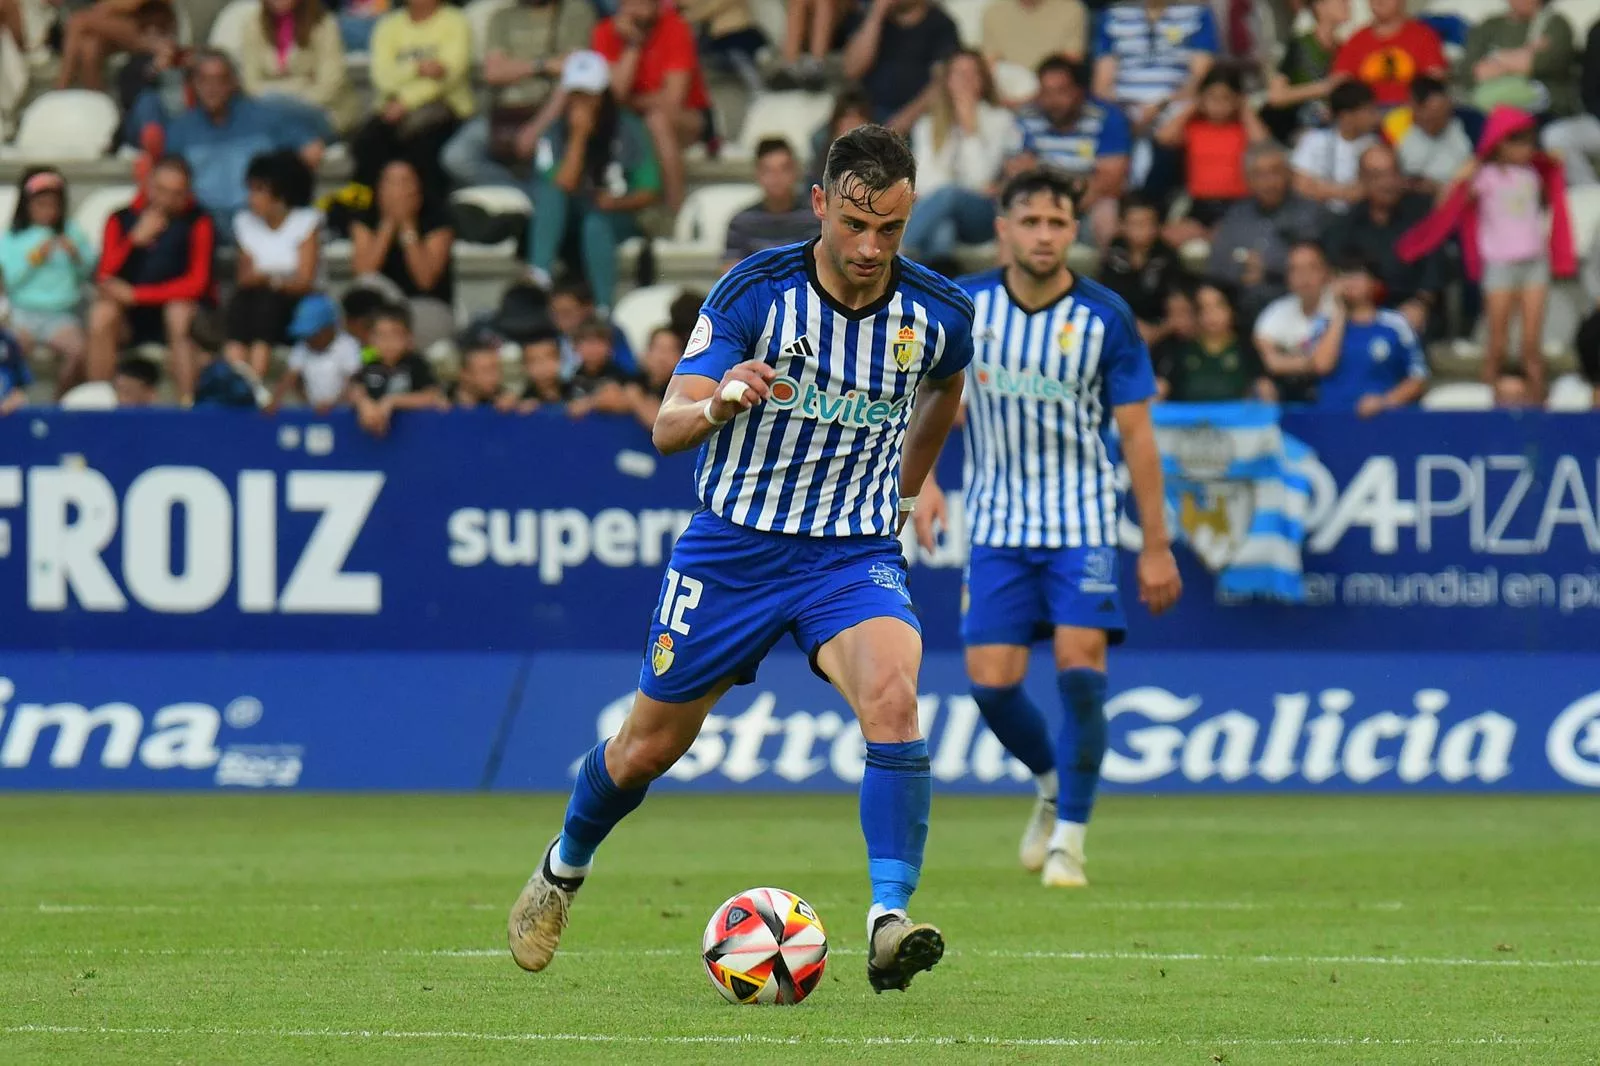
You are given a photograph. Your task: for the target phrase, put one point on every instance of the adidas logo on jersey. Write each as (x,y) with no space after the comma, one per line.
(857,410)
(1024,383)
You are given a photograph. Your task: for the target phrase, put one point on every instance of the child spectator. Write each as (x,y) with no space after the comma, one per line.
(223,383)
(1284,332)
(1140,267)
(360,306)
(594,170)
(1386,54)
(661,357)
(960,146)
(571,304)
(1215,366)
(818,27)
(1435,145)
(541,372)
(324,357)
(1213,131)
(1497,203)
(1327,161)
(1297,92)
(397,380)
(278,258)
(45,261)
(600,385)
(15,377)
(1177,328)
(481,381)
(1367,357)
(136,381)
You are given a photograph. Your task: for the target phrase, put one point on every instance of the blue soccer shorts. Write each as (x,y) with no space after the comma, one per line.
(730,593)
(1019,595)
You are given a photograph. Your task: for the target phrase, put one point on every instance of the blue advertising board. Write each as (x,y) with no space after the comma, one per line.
(474,531)
(215,599)
(1185,721)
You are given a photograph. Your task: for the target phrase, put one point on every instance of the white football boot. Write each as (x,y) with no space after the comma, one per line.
(540,914)
(1036,836)
(900,949)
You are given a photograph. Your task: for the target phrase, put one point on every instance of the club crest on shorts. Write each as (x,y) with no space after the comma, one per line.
(885,576)
(661,654)
(906,348)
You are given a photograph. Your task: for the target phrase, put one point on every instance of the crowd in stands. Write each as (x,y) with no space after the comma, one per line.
(1296,208)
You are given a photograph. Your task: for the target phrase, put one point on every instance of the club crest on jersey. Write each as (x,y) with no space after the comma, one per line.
(661,654)
(906,348)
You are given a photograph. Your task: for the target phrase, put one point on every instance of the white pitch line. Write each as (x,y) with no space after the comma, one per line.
(757,1039)
(1018,956)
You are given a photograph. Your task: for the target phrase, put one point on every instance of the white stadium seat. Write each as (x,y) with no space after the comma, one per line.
(8,205)
(702,224)
(640,311)
(478,14)
(227,32)
(968,17)
(792,116)
(1015,82)
(1459,396)
(1583,207)
(1570,393)
(90,396)
(772,18)
(66,125)
(97,207)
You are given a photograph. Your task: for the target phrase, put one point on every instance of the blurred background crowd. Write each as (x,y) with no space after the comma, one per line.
(518,204)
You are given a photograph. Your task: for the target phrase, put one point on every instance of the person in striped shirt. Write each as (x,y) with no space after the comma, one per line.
(1056,357)
(818,384)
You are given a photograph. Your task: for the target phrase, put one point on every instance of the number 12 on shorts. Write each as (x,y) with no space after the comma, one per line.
(681,596)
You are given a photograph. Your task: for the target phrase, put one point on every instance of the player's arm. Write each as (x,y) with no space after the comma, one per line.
(696,407)
(937,408)
(1159,583)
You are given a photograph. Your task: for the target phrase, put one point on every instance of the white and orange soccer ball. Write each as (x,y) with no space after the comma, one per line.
(765,945)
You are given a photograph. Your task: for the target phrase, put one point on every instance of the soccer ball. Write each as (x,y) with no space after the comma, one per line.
(765,945)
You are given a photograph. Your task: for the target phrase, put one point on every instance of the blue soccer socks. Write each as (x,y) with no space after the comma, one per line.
(896,796)
(1017,723)
(597,805)
(1082,744)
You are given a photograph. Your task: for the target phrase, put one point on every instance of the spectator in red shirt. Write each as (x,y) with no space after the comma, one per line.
(655,70)
(155,272)
(1390,52)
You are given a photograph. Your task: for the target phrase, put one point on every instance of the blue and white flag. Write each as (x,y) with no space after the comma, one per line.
(1235,483)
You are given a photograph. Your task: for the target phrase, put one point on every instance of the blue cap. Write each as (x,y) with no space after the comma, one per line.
(314,314)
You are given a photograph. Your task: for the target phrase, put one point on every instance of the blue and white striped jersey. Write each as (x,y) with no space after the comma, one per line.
(821,457)
(1042,383)
(1153,54)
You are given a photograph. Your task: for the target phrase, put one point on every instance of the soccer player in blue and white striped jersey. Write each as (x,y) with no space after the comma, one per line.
(1057,358)
(819,384)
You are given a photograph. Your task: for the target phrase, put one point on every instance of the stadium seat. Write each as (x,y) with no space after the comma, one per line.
(8,205)
(66,125)
(702,223)
(478,14)
(772,18)
(98,206)
(90,396)
(792,116)
(1459,396)
(1583,14)
(1571,393)
(1015,82)
(495,200)
(1583,205)
(640,311)
(227,32)
(968,17)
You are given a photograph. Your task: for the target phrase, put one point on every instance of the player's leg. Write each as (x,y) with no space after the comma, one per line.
(1086,607)
(1004,609)
(874,665)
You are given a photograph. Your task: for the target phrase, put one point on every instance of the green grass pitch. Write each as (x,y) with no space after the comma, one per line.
(370,929)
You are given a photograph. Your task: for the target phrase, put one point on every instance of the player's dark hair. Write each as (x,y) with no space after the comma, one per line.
(1349,96)
(771,146)
(390,312)
(145,371)
(867,162)
(1076,69)
(1061,187)
(1425,88)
